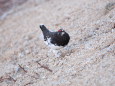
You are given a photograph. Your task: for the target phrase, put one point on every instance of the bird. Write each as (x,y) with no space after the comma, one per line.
(55,39)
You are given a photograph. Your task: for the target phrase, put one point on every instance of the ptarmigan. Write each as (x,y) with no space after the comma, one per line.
(55,40)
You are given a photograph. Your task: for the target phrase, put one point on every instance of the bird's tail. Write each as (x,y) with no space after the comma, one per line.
(45,31)
(43,28)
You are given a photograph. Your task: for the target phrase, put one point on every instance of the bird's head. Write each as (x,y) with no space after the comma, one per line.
(61,30)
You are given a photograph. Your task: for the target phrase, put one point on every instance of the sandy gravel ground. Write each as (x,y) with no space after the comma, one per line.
(89,58)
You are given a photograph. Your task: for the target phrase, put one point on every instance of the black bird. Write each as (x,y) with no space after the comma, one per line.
(58,38)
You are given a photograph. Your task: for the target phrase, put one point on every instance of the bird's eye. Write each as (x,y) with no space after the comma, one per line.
(60,30)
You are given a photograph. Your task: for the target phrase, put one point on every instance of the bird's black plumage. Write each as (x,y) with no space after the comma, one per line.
(58,38)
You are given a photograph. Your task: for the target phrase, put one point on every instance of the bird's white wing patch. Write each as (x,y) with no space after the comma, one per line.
(52,46)
(48,41)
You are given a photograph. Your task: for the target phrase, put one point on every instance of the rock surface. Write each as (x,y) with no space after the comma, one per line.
(88,60)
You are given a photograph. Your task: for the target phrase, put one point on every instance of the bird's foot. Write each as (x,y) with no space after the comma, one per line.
(57,53)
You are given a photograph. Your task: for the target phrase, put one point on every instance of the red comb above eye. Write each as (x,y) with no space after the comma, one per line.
(59,30)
